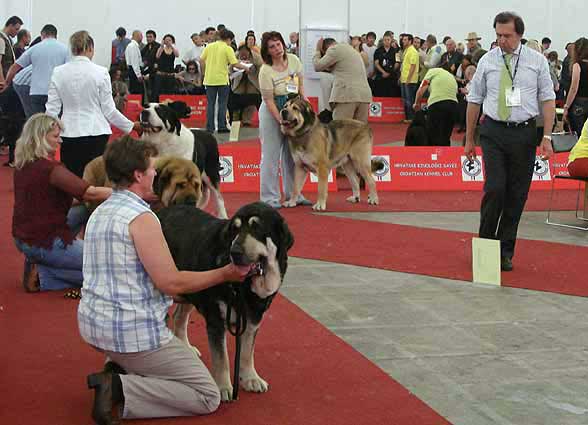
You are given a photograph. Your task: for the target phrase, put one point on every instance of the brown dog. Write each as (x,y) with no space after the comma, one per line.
(178,181)
(319,148)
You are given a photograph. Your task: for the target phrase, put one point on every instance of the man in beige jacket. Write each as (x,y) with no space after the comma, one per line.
(351,94)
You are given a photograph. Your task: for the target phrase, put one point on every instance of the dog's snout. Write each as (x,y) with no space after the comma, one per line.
(284,114)
(144,117)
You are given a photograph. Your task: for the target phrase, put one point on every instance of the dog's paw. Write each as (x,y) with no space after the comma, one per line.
(353,199)
(226,393)
(254,383)
(373,200)
(290,203)
(320,206)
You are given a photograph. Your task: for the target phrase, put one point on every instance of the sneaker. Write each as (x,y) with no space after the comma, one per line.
(304,202)
(274,204)
(9,164)
(506,264)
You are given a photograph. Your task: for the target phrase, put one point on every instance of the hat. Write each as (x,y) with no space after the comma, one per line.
(473,36)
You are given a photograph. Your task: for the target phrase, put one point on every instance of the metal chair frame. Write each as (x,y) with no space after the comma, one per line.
(579,180)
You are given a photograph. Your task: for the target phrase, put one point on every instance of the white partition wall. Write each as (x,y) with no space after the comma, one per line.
(320,18)
(562,20)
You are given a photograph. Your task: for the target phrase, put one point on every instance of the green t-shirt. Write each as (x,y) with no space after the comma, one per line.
(217,57)
(442,85)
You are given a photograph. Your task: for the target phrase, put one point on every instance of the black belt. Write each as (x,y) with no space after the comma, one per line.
(512,124)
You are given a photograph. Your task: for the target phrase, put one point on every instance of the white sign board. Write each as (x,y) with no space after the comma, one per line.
(309,39)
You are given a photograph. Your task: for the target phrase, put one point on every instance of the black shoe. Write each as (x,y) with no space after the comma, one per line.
(224,130)
(108,398)
(506,264)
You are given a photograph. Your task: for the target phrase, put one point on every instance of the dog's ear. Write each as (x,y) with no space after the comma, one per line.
(285,236)
(162,177)
(181,109)
(308,113)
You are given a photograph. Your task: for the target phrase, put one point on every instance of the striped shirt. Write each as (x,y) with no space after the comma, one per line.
(23,77)
(532,78)
(121,310)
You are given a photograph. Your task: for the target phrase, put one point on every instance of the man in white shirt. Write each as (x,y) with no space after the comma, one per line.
(193,55)
(370,48)
(134,62)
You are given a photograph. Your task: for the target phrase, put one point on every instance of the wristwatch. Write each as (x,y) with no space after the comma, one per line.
(547,137)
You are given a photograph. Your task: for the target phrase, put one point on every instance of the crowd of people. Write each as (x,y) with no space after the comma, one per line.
(56,95)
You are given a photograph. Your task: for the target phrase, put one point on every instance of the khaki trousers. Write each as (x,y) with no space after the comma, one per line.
(352,110)
(165,382)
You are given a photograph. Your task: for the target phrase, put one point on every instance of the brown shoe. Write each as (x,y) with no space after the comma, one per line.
(30,277)
(107,405)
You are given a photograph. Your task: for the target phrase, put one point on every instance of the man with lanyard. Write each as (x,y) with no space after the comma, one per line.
(513,83)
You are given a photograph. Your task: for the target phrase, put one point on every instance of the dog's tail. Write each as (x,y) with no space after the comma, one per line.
(377,165)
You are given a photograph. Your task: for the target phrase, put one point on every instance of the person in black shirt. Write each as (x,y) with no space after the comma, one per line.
(451,59)
(386,79)
(148,55)
(165,81)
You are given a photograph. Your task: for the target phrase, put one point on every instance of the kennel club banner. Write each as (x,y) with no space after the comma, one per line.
(405,169)
(240,170)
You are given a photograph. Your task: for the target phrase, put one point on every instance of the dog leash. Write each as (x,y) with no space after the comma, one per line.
(237,300)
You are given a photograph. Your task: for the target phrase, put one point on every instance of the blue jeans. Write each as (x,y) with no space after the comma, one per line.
(223,97)
(25,98)
(408,93)
(60,266)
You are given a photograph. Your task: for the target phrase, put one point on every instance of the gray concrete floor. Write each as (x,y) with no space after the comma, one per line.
(477,354)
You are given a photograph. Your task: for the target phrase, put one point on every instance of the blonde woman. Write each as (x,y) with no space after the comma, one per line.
(84,90)
(44,223)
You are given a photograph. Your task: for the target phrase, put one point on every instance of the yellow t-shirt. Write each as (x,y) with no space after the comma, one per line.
(281,83)
(411,57)
(217,56)
(580,150)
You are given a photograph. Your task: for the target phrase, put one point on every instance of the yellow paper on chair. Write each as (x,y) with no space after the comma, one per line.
(235,127)
(486,261)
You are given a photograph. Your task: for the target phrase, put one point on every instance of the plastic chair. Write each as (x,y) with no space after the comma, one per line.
(564,142)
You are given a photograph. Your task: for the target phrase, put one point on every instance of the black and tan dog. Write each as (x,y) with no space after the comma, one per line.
(178,181)
(256,234)
(319,148)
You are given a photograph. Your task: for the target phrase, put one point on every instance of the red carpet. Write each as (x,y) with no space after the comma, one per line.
(417,201)
(540,266)
(315,377)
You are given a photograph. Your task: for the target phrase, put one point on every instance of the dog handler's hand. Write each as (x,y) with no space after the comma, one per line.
(470,150)
(235,273)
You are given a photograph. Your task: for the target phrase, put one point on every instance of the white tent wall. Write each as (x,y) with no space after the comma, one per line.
(562,20)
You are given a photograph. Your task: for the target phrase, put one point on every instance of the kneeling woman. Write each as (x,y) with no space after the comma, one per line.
(44,223)
(129,281)
(578,160)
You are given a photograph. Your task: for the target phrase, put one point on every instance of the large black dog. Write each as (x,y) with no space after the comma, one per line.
(256,234)
(162,126)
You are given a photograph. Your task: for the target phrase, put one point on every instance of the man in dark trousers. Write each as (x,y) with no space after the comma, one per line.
(513,84)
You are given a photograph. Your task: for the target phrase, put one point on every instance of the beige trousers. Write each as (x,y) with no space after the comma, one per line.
(168,381)
(352,110)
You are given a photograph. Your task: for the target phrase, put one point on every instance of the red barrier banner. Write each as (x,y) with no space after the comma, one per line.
(386,109)
(240,170)
(447,169)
